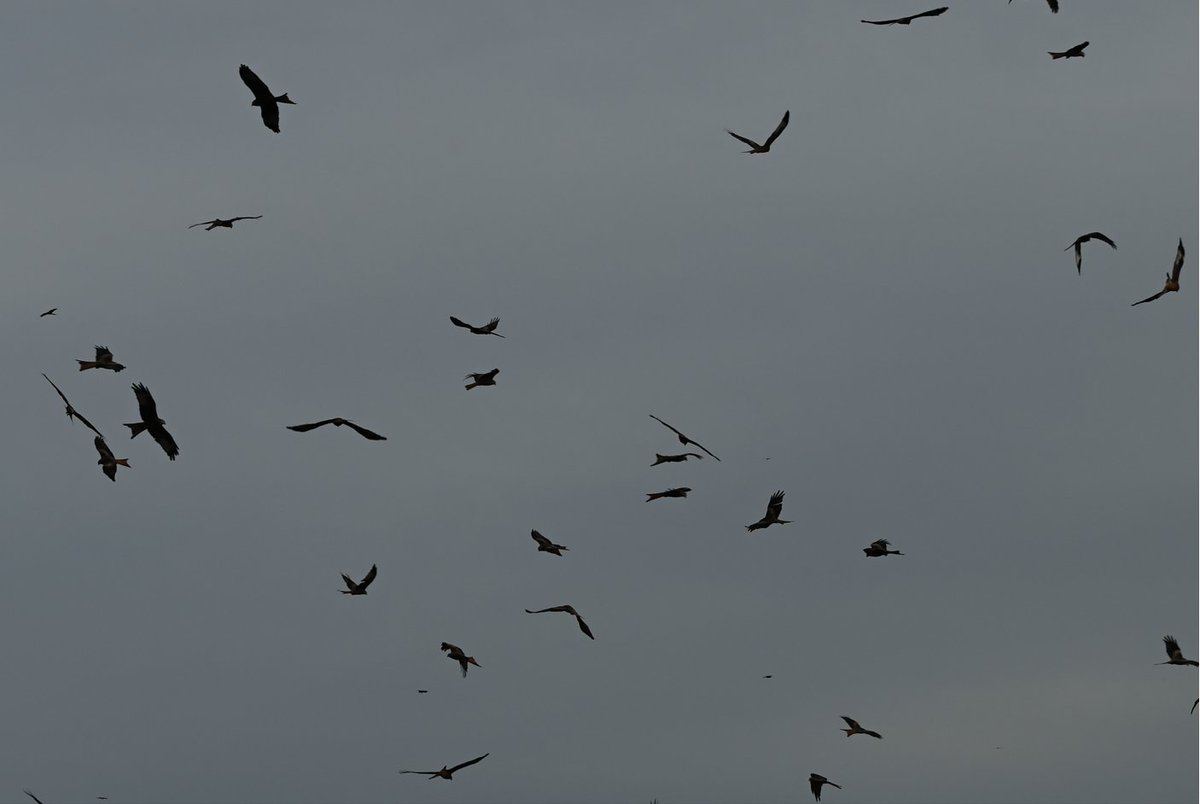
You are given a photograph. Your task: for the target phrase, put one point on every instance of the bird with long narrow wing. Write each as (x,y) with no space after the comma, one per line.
(225,223)
(682,491)
(879,547)
(71,412)
(682,438)
(756,148)
(1175,654)
(109,463)
(487,329)
(104,360)
(545,545)
(487,378)
(857,729)
(682,458)
(815,781)
(774,509)
(151,422)
(359,587)
(448,773)
(1079,241)
(267,101)
(51,311)
(1172,284)
(456,653)
(567,610)
(338,422)
(936,12)
(1070,53)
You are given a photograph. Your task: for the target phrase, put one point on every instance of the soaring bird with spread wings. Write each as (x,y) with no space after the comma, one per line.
(1172,284)
(682,438)
(456,653)
(486,378)
(937,12)
(545,545)
(71,412)
(857,729)
(879,547)
(359,587)
(108,463)
(51,311)
(267,101)
(682,491)
(774,509)
(487,329)
(226,223)
(567,610)
(815,780)
(682,458)
(151,422)
(104,360)
(755,148)
(338,422)
(1175,654)
(1070,53)
(448,773)
(1079,241)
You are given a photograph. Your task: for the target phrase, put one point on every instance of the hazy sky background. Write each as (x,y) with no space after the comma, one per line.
(881,306)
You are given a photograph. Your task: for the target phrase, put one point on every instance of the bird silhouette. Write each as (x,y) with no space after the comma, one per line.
(1079,241)
(1172,284)
(267,101)
(487,329)
(682,438)
(456,653)
(815,780)
(937,12)
(51,311)
(151,422)
(71,412)
(567,610)
(488,378)
(448,773)
(359,588)
(1174,654)
(338,422)
(879,547)
(755,148)
(774,509)
(1071,53)
(675,458)
(104,360)
(857,729)
(226,223)
(682,491)
(108,463)
(545,545)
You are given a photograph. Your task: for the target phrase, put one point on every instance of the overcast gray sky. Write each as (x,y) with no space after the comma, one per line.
(878,317)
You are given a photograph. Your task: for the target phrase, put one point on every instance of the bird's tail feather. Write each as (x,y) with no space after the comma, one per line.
(136,428)
(122,461)
(84,365)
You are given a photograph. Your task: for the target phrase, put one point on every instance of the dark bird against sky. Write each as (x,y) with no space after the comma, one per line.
(682,438)
(545,545)
(1172,284)
(857,729)
(567,610)
(32,796)
(487,329)
(448,773)
(675,458)
(1175,654)
(338,422)
(456,653)
(682,491)
(1078,244)
(755,148)
(109,464)
(487,378)
(71,412)
(226,223)
(937,12)
(771,517)
(51,311)
(1071,53)
(104,360)
(879,547)
(267,101)
(815,780)
(359,588)
(151,422)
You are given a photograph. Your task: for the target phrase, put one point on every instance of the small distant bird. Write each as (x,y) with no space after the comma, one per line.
(266,100)
(774,509)
(658,495)
(1073,53)
(487,329)
(1052,3)
(422,692)
(109,464)
(104,360)
(1174,654)
(448,773)
(1172,278)
(482,379)
(71,412)
(815,780)
(151,423)
(768,676)
(51,311)
(857,729)
(1197,701)
(755,148)
(879,547)
(338,422)
(675,458)
(32,796)
(545,545)
(937,12)
(456,653)
(682,438)
(226,223)
(359,588)
(567,610)
(1079,241)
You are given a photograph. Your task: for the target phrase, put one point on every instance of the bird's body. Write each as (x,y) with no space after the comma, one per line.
(857,729)
(104,360)
(447,773)
(937,12)
(151,422)
(225,223)
(815,781)
(51,311)
(338,422)
(487,329)
(879,547)
(266,100)
(682,438)
(567,610)
(1172,284)
(1070,53)
(774,509)
(456,653)
(487,378)
(675,458)
(658,495)
(359,587)
(71,412)
(1079,241)
(545,545)
(756,148)
(108,463)
(1175,654)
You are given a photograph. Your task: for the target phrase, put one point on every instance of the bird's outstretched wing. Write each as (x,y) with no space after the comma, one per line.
(682,437)
(71,412)
(459,323)
(906,20)
(1078,256)
(202,223)
(51,311)
(270,115)
(1148,299)
(245,218)
(422,773)
(365,433)
(1173,650)
(775,505)
(1178,266)
(490,327)
(787,115)
(103,354)
(146,406)
(851,722)
(470,762)
(164,439)
(567,609)
(32,796)
(664,424)
(540,539)
(350,584)
(584,627)
(256,85)
(1053,5)
(304,428)
(752,144)
(1102,238)
(370,576)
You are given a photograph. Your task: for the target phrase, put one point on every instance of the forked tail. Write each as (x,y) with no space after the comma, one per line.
(136,427)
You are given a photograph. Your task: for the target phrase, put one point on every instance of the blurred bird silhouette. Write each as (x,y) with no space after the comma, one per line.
(448,773)
(755,148)
(1172,284)
(359,588)
(937,12)
(104,360)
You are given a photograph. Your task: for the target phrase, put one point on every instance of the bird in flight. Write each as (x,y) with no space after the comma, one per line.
(456,653)
(1172,278)
(682,438)
(108,464)
(658,495)
(1052,3)
(774,509)
(1072,53)
(1174,654)
(675,458)
(151,423)
(545,545)
(567,610)
(879,547)
(488,378)
(448,773)
(422,692)
(227,223)
(937,12)
(104,360)
(51,311)
(815,780)
(32,796)
(267,101)
(359,588)
(338,422)
(487,329)
(755,148)
(857,729)
(1193,710)
(71,412)
(1078,246)
(769,676)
